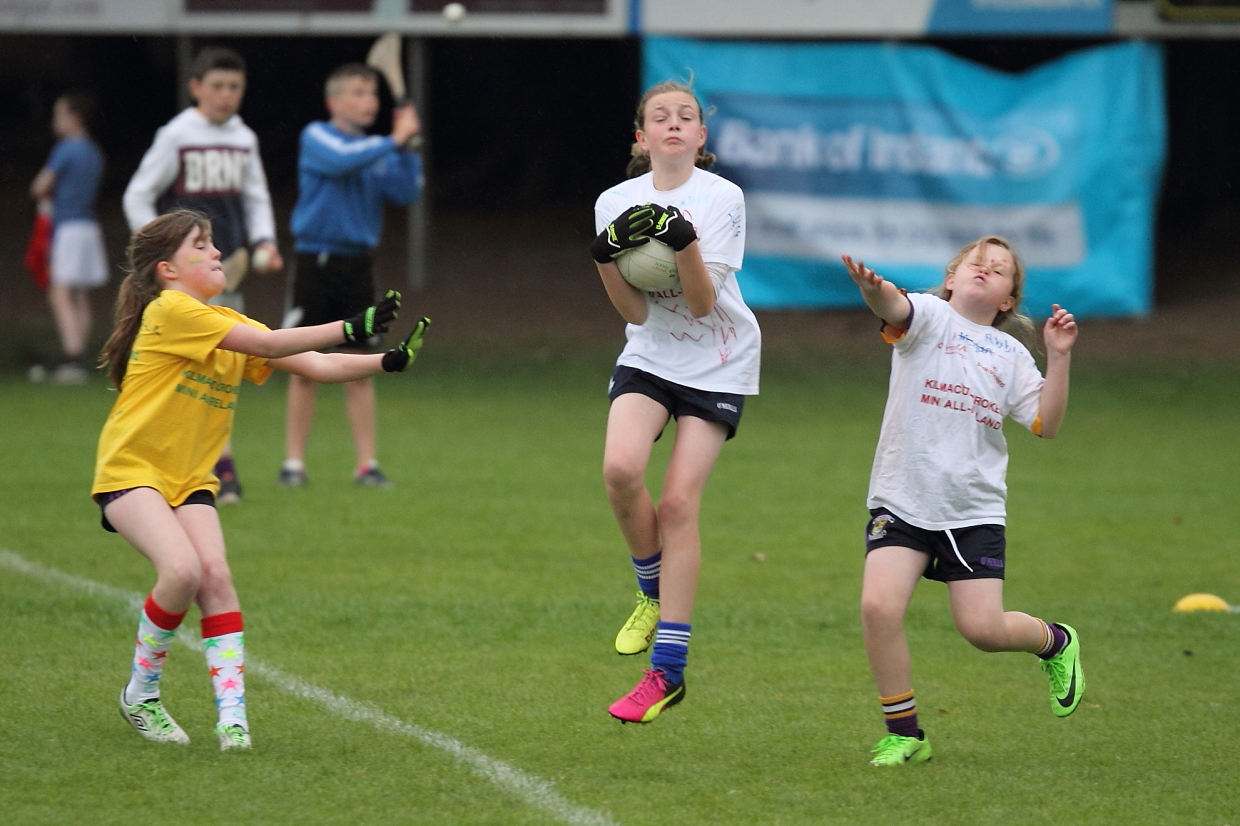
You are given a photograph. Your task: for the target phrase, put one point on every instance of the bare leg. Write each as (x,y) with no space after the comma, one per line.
(299,415)
(891,575)
(359,403)
(71,311)
(977,608)
(146,520)
(697,447)
(216,594)
(632,426)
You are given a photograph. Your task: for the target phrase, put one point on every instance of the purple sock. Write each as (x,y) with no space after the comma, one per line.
(1058,640)
(225,468)
(900,713)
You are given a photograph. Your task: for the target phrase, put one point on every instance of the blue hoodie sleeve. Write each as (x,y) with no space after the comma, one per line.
(401,180)
(327,154)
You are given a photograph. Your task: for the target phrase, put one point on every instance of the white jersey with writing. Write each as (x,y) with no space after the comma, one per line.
(941,461)
(213,168)
(720,353)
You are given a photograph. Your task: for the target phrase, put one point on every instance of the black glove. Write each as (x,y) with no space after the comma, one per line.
(403,354)
(626,232)
(672,228)
(372,321)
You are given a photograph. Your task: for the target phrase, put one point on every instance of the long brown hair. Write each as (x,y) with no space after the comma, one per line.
(155,242)
(639,163)
(1010,321)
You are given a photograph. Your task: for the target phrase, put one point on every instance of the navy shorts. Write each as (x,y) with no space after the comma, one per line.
(329,288)
(679,400)
(198,497)
(975,552)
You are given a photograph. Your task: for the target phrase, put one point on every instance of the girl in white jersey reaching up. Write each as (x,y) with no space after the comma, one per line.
(692,355)
(937,490)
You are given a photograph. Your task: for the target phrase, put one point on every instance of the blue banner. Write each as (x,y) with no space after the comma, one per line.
(899,155)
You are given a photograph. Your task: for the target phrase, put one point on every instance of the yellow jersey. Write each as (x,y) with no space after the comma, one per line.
(175,409)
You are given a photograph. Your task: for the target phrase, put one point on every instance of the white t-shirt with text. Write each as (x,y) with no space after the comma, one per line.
(941,461)
(721,352)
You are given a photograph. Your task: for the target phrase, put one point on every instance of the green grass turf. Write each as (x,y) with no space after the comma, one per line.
(478,598)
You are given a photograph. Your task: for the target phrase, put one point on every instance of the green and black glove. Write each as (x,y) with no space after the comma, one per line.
(626,232)
(403,354)
(672,228)
(372,321)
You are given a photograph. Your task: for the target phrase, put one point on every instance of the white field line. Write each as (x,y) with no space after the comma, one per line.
(534,791)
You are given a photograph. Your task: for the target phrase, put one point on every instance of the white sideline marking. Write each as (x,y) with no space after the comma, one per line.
(534,791)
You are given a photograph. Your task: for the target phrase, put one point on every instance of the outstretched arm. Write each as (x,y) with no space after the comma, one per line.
(332,368)
(1059,333)
(276,344)
(880,295)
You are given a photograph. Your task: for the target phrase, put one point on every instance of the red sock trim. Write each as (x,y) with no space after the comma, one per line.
(219,624)
(157,615)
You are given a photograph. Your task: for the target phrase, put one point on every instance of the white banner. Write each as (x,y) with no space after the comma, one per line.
(917,233)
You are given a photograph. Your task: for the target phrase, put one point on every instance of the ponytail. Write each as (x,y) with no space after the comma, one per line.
(157,241)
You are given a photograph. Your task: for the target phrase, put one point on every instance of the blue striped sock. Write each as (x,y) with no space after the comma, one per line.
(647,571)
(671,650)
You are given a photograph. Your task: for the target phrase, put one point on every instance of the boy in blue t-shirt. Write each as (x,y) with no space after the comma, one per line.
(79,263)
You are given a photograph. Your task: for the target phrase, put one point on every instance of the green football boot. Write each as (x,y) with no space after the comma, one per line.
(894,750)
(1063,671)
(638,633)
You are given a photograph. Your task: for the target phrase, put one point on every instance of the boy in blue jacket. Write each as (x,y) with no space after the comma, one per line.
(345,178)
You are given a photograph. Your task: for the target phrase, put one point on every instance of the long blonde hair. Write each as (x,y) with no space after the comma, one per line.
(157,241)
(639,163)
(1009,321)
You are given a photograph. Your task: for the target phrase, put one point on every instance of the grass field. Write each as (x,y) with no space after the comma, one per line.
(440,652)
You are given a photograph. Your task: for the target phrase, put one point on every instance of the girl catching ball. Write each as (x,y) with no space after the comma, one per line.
(938,488)
(692,355)
(178,363)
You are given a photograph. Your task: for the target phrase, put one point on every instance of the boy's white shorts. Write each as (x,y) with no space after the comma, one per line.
(78,256)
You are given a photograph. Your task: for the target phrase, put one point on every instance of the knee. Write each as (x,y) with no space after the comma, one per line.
(983,634)
(184,576)
(677,507)
(623,479)
(880,612)
(216,579)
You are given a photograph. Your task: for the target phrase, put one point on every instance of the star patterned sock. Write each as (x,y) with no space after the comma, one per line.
(223,641)
(156,628)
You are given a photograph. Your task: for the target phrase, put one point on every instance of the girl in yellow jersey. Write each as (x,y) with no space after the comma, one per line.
(178,363)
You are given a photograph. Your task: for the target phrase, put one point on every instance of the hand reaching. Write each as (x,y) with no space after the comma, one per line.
(1060,331)
(869,281)
(403,354)
(372,321)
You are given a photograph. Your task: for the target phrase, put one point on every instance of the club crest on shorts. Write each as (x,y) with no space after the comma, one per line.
(878,526)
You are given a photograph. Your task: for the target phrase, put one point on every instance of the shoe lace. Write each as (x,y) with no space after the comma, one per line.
(639,617)
(652,688)
(235,733)
(1057,670)
(888,746)
(158,717)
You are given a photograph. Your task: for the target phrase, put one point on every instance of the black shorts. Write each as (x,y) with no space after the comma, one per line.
(198,497)
(329,288)
(975,552)
(679,400)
